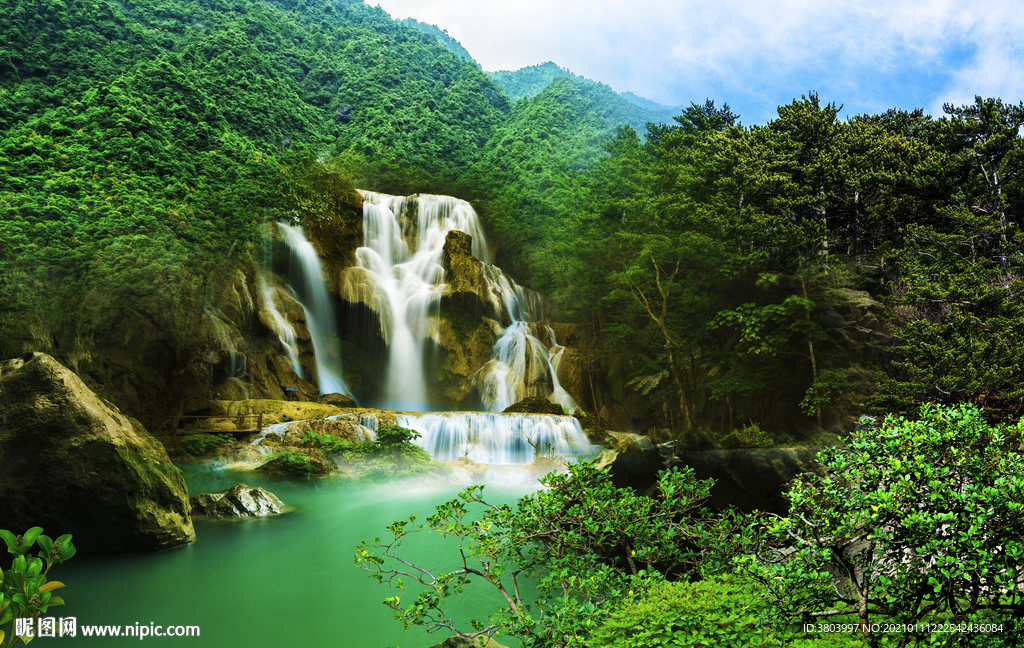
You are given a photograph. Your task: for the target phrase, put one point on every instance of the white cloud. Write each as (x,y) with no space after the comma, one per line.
(755,55)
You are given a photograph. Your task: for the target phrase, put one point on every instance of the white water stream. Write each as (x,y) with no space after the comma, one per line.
(316,302)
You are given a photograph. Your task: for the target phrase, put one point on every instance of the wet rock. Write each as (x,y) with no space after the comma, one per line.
(751,479)
(636,471)
(605,459)
(276,411)
(238,501)
(72,463)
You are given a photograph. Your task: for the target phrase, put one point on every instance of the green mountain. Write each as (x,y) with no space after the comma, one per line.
(143,144)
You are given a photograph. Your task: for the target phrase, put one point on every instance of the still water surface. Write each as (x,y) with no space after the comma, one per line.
(275,582)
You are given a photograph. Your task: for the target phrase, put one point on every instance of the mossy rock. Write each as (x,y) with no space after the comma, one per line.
(534,405)
(277,411)
(300,462)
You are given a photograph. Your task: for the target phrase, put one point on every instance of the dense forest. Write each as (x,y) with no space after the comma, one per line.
(810,265)
(726,277)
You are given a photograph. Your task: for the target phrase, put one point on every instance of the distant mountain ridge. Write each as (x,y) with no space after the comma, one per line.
(530,81)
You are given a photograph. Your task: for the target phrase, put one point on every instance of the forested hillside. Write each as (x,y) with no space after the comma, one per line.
(726,277)
(145,143)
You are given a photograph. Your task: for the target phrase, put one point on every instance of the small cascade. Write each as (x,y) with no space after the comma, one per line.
(276,428)
(279,323)
(316,302)
(491,438)
(521,367)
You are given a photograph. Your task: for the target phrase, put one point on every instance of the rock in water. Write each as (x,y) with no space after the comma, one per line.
(72,463)
(238,501)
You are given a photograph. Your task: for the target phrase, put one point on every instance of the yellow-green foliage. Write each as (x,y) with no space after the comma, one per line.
(723,611)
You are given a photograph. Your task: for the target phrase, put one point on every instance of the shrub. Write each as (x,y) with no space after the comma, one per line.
(917,522)
(721,611)
(25,593)
(338,446)
(293,463)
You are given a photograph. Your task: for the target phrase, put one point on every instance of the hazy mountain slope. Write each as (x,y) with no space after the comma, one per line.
(452,45)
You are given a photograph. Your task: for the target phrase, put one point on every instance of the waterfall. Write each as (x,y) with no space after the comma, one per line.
(402,256)
(316,302)
(279,323)
(520,366)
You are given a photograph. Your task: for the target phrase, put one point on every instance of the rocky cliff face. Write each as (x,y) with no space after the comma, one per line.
(72,463)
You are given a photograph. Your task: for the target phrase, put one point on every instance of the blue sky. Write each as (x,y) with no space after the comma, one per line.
(867,55)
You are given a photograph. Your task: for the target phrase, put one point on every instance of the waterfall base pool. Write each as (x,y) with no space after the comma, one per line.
(282,581)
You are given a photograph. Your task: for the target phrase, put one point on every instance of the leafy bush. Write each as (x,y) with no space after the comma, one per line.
(25,593)
(391,454)
(293,463)
(917,522)
(200,444)
(586,543)
(722,611)
(338,446)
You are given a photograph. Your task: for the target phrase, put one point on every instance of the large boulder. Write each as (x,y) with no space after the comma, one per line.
(72,463)
(238,501)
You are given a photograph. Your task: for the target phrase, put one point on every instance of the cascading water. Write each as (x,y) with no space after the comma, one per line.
(403,259)
(508,439)
(316,302)
(521,365)
(399,274)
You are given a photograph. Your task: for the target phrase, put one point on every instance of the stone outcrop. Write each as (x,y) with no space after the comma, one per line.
(747,479)
(72,463)
(347,428)
(275,411)
(238,501)
(628,442)
(464,273)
